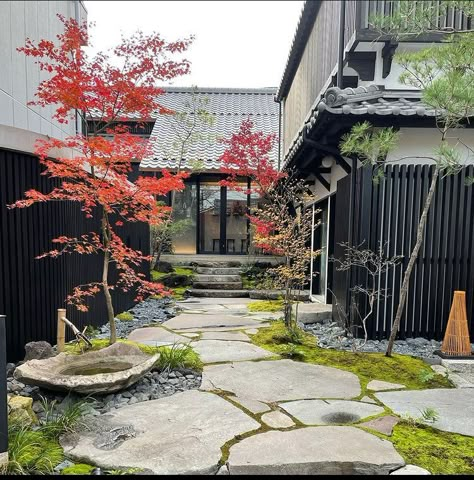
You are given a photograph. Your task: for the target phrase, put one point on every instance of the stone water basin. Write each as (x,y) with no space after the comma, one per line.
(105,371)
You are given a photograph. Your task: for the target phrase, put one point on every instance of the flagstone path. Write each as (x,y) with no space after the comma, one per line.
(254,413)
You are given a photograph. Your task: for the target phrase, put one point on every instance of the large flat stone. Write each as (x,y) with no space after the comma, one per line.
(181,434)
(214,301)
(314,450)
(157,336)
(455,407)
(411,470)
(213,292)
(194,321)
(253,405)
(277,419)
(234,336)
(279,380)
(330,412)
(313,312)
(382,424)
(212,351)
(223,329)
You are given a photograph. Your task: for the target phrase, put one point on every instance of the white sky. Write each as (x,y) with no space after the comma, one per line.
(238,43)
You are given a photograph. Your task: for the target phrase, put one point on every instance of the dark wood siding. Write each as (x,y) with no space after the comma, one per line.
(32,290)
(389,212)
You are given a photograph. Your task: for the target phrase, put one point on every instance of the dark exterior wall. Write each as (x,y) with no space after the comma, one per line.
(390,212)
(32,290)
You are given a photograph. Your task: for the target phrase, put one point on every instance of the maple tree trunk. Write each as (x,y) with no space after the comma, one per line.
(105,284)
(411,263)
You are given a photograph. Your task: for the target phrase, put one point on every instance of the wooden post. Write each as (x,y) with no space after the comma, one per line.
(456,339)
(61,338)
(3,395)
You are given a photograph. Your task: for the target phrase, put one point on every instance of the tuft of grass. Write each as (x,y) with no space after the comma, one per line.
(368,366)
(439,452)
(56,422)
(78,469)
(125,317)
(265,306)
(31,452)
(178,356)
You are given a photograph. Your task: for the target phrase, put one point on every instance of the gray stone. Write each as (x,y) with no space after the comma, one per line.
(367,399)
(411,470)
(223,470)
(239,336)
(330,412)
(382,424)
(189,322)
(277,419)
(252,331)
(182,434)
(313,312)
(215,293)
(157,335)
(213,351)
(380,386)
(314,450)
(302,296)
(455,407)
(253,405)
(66,372)
(280,380)
(38,351)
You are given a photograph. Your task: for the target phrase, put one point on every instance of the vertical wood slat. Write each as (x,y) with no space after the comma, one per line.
(444,263)
(32,290)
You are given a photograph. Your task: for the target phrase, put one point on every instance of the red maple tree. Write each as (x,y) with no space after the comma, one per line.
(104,91)
(281,223)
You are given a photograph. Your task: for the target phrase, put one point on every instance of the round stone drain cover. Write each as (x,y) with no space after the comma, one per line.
(340,417)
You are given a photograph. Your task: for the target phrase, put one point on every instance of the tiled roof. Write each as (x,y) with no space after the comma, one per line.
(228,107)
(369,100)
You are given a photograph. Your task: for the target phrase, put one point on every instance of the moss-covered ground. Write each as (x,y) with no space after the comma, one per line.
(187,357)
(409,371)
(178,292)
(265,306)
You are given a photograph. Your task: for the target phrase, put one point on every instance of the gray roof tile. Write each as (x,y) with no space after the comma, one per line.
(229,107)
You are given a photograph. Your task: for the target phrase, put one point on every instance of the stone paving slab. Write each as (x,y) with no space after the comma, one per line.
(214,301)
(234,336)
(454,406)
(196,321)
(380,386)
(314,450)
(330,412)
(279,380)
(277,419)
(411,470)
(222,329)
(382,424)
(156,336)
(213,351)
(181,434)
(253,405)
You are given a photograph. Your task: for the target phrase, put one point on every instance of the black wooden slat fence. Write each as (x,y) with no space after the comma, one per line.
(388,215)
(32,290)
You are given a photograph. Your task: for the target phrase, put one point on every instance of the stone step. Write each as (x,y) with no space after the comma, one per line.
(218,285)
(302,296)
(218,271)
(217,278)
(214,293)
(219,264)
(313,312)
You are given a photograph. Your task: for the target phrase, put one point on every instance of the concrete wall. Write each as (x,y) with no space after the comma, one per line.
(20,76)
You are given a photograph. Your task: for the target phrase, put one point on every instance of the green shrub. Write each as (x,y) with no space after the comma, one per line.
(178,356)
(31,452)
(56,422)
(78,469)
(125,317)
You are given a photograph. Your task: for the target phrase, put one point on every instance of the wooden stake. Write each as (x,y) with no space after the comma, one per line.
(61,338)
(456,339)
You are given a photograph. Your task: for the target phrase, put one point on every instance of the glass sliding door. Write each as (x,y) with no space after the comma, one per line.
(236,224)
(185,205)
(210,203)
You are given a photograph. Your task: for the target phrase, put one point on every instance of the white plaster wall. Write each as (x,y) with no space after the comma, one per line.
(20,76)
(423,142)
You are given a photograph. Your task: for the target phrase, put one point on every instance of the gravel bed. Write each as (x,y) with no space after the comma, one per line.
(150,311)
(331,335)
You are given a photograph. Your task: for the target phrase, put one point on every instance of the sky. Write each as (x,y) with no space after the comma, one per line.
(239,44)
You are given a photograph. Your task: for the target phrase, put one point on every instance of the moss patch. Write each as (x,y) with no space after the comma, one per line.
(368,366)
(157,276)
(78,469)
(125,317)
(265,306)
(436,451)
